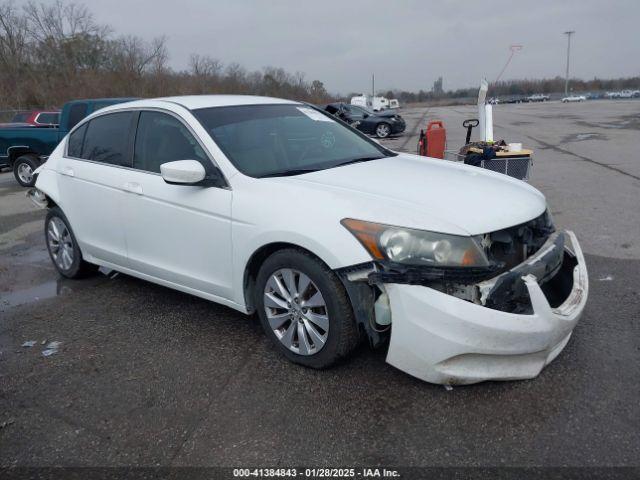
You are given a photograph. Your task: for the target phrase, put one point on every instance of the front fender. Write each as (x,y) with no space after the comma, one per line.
(341,250)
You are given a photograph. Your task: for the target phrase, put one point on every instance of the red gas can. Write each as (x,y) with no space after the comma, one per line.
(436,139)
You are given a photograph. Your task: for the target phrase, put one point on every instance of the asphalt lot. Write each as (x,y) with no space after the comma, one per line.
(149,376)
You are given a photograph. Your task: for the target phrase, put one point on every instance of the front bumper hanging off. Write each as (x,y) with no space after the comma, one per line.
(443,339)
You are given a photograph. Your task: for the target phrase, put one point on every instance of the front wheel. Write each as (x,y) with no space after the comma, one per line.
(383,130)
(304,309)
(23,169)
(63,247)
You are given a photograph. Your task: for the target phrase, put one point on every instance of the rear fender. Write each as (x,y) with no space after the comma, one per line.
(47,183)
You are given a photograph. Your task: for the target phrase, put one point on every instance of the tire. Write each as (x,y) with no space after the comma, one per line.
(63,247)
(325,342)
(383,130)
(23,169)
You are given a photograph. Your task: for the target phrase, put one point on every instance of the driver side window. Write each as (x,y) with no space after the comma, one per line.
(161,138)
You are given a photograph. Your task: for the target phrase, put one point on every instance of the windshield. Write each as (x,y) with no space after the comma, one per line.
(275,140)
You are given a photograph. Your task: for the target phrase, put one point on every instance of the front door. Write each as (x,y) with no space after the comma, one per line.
(177,233)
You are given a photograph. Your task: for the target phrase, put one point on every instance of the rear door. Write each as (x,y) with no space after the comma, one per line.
(177,233)
(92,178)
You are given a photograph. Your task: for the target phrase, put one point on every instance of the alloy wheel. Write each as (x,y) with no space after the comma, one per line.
(60,243)
(296,311)
(25,172)
(383,130)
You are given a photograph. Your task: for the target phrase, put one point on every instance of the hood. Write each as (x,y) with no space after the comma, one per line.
(438,195)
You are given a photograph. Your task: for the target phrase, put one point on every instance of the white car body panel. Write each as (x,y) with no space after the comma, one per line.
(98,228)
(199,240)
(171,235)
(431,194)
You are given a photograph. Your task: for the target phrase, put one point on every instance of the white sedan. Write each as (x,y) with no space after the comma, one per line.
(272,206)
(574,98)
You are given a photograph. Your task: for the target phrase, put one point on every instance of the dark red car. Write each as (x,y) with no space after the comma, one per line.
(37,117)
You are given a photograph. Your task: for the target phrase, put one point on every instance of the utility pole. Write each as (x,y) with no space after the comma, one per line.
(373,85)
(566,79)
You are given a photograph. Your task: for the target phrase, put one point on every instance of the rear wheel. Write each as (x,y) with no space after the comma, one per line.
(304,309)
(23,169)
(63,247)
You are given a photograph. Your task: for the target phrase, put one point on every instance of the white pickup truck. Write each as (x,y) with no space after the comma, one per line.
(538,97)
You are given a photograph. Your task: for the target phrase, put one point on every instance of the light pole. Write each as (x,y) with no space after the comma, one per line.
(566,79)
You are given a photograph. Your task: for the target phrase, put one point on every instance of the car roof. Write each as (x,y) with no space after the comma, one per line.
(193,102)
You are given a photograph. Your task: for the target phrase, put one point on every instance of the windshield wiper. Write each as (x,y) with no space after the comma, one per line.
(288,173)
(358,160)
(300,171)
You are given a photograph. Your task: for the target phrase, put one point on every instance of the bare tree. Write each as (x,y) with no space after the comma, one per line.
(14,50)
(53,52)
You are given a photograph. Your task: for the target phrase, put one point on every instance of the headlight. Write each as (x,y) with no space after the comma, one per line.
(417,247)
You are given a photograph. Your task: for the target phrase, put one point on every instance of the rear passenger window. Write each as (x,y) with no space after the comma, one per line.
(161,138)
(107,139)
(74,148)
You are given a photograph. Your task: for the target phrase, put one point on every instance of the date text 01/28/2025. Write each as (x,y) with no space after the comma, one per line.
(315,473)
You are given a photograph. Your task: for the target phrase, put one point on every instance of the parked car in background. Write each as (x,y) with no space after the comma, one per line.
(381,124)
(493,101)
(271,206)
(515,99)
(25,146)
(574,98)
(629,93)
(37,117)
(538,97)
(612,95)
(394,103)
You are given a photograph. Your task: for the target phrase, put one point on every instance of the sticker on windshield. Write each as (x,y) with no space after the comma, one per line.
(314,115)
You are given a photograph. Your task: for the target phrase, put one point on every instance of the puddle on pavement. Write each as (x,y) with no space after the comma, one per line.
(50,289)
(33,294)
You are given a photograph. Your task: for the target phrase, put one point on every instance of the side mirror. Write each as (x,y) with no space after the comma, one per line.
(183,172)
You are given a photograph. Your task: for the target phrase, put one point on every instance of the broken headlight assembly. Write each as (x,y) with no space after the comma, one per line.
(486,269)
(419,248)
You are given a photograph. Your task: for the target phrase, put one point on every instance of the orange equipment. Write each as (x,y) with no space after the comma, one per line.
(432,142)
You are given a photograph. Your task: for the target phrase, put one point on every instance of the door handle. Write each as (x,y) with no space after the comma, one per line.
(68,171)
(133,187)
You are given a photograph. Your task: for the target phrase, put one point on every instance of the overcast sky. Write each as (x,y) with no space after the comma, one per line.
(406,43)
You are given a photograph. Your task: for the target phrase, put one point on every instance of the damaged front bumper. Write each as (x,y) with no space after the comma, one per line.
(444,339)
(461,326)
